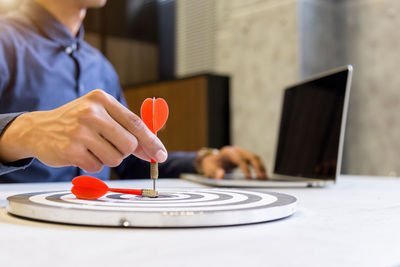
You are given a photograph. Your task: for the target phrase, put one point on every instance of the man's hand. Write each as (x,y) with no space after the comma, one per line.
(229,157)
(89,132)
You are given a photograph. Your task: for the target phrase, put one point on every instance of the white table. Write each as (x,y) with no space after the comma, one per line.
(353,223)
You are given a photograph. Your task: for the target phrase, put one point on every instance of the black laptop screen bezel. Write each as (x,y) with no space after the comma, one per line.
(324,164)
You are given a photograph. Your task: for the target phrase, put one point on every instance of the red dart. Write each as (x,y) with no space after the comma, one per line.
(88,187)
(154,113)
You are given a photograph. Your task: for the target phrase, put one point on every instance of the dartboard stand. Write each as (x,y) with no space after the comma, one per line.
(174,208)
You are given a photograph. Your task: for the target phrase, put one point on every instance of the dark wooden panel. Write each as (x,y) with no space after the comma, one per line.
(186,128)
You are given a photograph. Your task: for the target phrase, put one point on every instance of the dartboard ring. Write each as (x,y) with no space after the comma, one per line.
(174,208)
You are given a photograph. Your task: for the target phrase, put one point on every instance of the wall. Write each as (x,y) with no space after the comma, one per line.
(257,44)
(366,34)
(195,38)
(265,44)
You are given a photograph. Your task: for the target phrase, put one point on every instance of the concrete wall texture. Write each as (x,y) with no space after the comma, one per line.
(364,33)
(267,44)
(257,45)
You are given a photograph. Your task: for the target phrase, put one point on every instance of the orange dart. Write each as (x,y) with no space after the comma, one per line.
(88,187)
(154,113)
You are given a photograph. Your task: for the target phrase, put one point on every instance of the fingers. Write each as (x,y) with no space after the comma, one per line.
(243,159)
(103,150)
(212,167)
(254,161)
(115,134)
(140,153)
(150,144)
(237,159)
(85,160)
(229,157)
(99,151)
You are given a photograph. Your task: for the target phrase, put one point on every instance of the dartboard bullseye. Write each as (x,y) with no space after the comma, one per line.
(175,208)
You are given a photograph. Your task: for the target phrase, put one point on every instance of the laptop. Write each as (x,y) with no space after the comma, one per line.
(311,134)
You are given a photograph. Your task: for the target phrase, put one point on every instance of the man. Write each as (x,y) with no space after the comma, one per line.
(50,116)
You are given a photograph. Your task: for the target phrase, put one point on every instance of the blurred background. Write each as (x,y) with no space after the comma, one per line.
(224,64)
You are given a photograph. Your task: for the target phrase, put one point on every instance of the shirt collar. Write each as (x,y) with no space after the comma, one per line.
(49,25)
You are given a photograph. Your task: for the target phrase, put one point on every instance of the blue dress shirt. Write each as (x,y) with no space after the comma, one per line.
(42,66)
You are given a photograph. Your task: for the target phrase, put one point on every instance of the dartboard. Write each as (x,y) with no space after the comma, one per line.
(173,208)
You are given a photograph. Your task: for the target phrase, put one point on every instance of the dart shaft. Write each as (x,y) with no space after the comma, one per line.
(126,191)
(154,173)
(139,192)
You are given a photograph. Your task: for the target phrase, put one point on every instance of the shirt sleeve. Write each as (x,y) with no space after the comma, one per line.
(176,164)
(5,120)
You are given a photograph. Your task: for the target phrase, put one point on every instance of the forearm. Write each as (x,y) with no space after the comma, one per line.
(178,163)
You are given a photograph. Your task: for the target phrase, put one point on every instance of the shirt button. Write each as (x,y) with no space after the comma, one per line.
(81,87)
(68,50)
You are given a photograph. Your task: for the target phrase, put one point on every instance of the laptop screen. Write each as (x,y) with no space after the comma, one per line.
(310,130)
